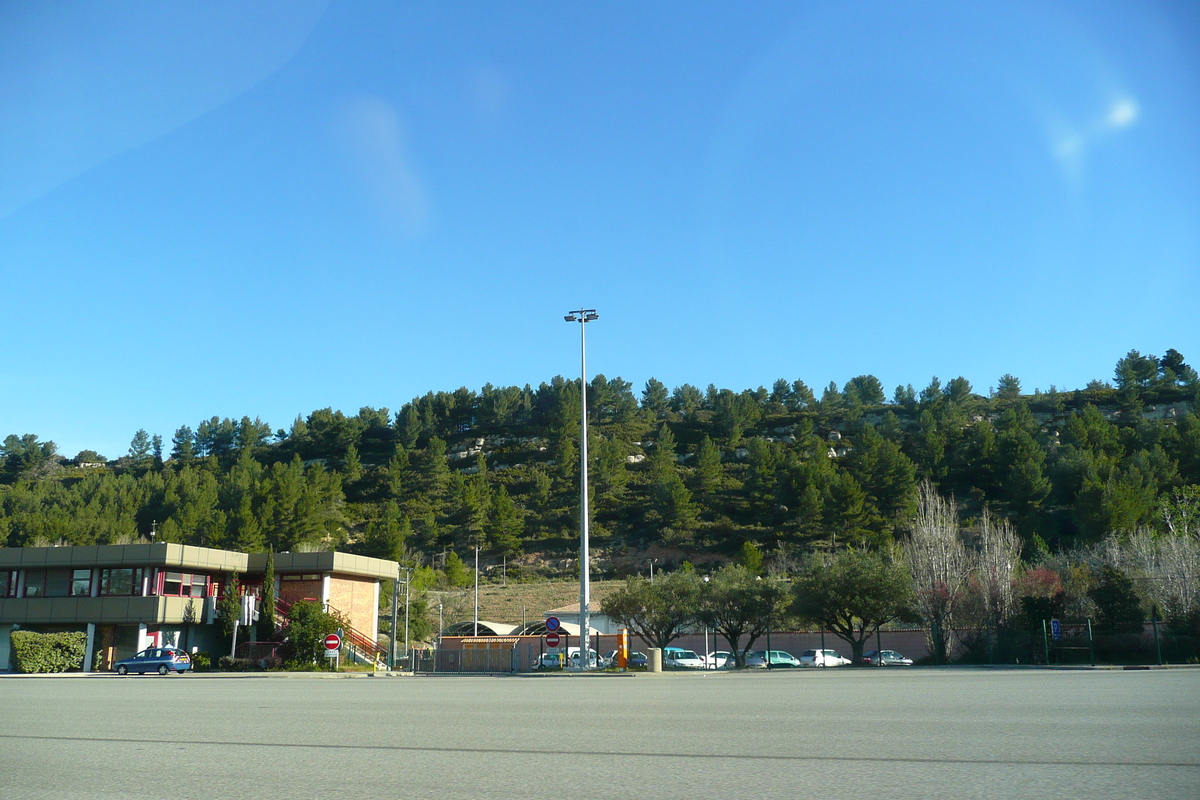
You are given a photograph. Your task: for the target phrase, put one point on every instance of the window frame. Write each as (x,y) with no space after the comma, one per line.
(75,580)
(136,577)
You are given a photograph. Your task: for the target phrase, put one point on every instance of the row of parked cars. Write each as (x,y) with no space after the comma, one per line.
(557,660)
(722,659)
(681,658)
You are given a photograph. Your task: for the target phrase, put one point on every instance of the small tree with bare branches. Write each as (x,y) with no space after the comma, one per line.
(939,565)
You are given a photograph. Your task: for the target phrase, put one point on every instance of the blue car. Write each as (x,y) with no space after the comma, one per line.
(162,660)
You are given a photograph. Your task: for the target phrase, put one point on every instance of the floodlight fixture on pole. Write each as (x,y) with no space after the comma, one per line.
(583,316)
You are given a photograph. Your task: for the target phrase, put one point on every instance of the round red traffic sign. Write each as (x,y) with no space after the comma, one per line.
(552,639)
(333,641)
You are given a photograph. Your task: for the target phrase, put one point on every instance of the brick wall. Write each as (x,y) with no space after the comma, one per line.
(355,597)
(291,591)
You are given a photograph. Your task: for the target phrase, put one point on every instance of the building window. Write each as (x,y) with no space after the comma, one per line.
(183,584)
(58,583)
(81,583)
(35,583)
(121,581)
(8,583)
(47,583)
(173,584)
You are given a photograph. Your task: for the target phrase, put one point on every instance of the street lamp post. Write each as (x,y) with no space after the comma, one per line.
(395,610)
(407,590)
(583,316)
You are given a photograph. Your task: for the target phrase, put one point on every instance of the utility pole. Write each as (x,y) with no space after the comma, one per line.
(476,590)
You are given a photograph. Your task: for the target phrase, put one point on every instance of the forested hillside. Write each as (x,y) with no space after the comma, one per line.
(701,471)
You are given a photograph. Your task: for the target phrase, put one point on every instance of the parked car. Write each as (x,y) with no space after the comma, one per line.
(573,655)
(636,659)
(719,659)
(156,659)
(890,658)
(822,658)
(678,658)
(779,659)
(549,660)
(784,659)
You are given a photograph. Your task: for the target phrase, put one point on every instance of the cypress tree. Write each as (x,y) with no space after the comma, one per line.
(266,614)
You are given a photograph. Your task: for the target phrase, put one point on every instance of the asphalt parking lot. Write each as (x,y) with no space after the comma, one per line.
(953,733)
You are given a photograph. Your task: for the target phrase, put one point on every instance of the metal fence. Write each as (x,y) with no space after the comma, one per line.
(460,661)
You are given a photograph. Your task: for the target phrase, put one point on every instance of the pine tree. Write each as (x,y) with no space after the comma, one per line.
(139,448)
(673,502)
(506,524)
(456,572)
(751,557)
(352,468)
(183,449)
(655,398)
(709,475)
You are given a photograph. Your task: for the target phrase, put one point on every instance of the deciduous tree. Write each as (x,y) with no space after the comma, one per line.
(658,611)
(742,606)
(852,593)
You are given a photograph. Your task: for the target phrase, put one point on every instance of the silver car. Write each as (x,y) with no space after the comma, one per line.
(890,658)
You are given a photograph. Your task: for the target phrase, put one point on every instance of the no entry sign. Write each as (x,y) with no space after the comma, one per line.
(552,639)
(333,641)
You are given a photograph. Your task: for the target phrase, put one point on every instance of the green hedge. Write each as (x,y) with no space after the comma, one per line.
(48,652)
(231,664)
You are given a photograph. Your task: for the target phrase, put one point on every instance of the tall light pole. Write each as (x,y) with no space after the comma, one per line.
(583,316)
(407,589)
(395,609)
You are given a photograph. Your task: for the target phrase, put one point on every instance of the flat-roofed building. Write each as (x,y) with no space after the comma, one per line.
(129,597)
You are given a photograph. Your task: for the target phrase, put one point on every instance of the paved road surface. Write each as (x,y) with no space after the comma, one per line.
(923,733)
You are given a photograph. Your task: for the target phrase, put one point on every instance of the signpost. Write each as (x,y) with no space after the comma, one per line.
(553,637)
(333,644)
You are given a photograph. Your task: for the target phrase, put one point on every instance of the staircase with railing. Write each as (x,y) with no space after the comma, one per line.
(358,646)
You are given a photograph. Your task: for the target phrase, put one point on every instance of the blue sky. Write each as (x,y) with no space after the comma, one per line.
(206,210)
